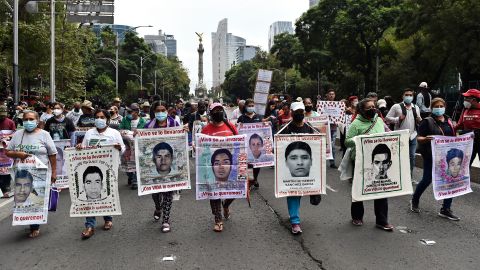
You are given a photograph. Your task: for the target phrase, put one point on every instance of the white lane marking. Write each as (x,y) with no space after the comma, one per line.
(6,202)
(330,188)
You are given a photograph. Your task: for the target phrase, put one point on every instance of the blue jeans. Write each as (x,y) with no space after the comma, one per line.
(412,149)
(132,176)
(91,222)
(333,134)
(426,181)
(293,204)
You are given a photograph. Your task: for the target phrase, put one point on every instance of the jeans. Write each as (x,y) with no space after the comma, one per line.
(132,176)
(426,181)
(412,150)
(293,204)
(381,211)
(333,134)
(91,222)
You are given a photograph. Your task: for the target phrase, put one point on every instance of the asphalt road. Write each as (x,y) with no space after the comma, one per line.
(254,238)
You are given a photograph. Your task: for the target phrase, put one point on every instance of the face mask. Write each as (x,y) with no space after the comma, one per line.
(129,116)
(370,113)
(407,99)
(100,123)
(250,109)
(217,117)
(161,116)
(76,109)
(438,111)
(57,112)
(467,105)
(298,117)
(308,108)
(201,110)
(30,125)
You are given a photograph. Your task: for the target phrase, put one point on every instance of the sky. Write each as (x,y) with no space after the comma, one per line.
(249,19)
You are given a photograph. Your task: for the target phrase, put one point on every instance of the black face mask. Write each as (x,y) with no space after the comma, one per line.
(308,108)
(217,117)
(298,117)
(370,113)
(76,109)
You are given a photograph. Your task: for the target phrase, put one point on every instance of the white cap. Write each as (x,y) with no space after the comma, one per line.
(381,103)
(299,99)
(297,106)
(423,85)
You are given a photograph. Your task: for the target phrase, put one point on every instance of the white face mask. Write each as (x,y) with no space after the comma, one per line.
(57,112)
(467,105)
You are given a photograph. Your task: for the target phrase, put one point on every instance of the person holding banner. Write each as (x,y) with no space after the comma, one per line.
(368,122)
(298,152)
(33,141)
(249,116)
(436,124)
(162,156)
(330,96)
(101,134)
(221,127)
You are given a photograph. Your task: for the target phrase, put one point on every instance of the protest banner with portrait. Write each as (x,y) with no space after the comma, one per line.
(322,124)
(451,165)
(78,134)
(335,110)
(5,162)
(162,158)
(300,167)
(62,176)
(93,181)
(221,167)
(260,144)
(128,157)
(31,191)
(379,170)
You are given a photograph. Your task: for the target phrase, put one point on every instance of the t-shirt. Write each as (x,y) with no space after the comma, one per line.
(293,129)
(59,129)
(134,124)
(221,131)
(424,130)
(470,120)
(284,118)
(115,122)
(86,120)
(74,116)
(7,124)
(38,143)
(45,116)
(109,137)
(246,119)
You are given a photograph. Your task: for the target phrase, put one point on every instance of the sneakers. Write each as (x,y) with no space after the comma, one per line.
(156,215)
(414,207)
(357,222)
(296,229)
(447,213)
(165,227)
(386,227)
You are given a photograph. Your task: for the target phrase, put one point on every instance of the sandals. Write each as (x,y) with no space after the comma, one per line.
(88,232)
(108,225)
(157,214)
(34,233)
(218,227)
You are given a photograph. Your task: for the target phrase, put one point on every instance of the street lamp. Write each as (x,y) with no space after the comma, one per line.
(284,79)
(142,60)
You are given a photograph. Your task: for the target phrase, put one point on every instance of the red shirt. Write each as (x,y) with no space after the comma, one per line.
(285,118)
(7,124)
(470,120)
(221,131)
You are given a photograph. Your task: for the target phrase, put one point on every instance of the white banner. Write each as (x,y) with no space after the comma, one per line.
(382,166)
(300,168)
(334,109)
(221,167)
(62,176)
(162,158)
(93,181)
(322,124)
(260,144)
(31,192)
(128,157)
(451,165)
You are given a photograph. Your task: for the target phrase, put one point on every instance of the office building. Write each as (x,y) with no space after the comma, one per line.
(314,2)
(119,29)
(245,53)
(278,28)
(162,43)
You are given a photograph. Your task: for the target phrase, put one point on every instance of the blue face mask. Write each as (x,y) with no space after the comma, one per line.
(250,109)
(129,117)
(30,125)
(438,111)
(161,116)
(407,99)
(100,123)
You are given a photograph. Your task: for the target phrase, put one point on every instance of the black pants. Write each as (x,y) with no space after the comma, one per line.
(256,172)
(216,206)
(476,150)
(381,211)
(5,181)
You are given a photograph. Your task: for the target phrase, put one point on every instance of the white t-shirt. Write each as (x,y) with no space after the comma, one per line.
(38,143)
(134,123)
(109,137)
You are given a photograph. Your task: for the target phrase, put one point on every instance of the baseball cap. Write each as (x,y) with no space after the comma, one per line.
(381,103)
(297,106)
(472,93)
(88,104)
(214,105)
(133,107)
(3,110)
(423,85)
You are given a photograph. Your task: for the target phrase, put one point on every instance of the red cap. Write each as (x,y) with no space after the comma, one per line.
(351,98)
(472,93)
